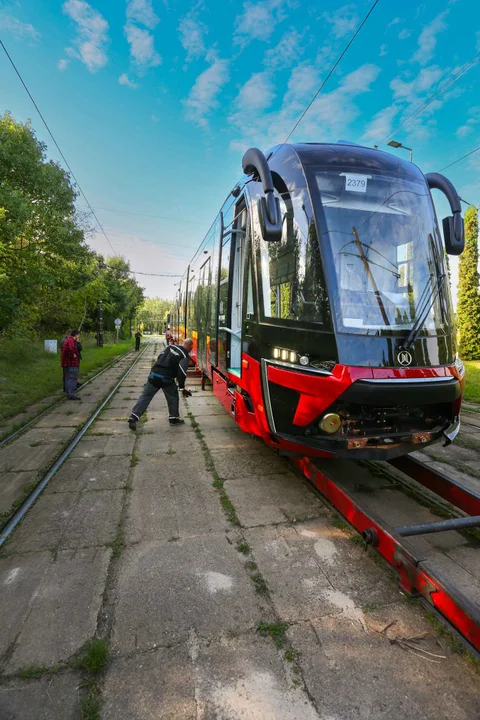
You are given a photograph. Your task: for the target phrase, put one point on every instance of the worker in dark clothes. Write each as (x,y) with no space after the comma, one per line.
(138,336)
(70,362)
(172,364)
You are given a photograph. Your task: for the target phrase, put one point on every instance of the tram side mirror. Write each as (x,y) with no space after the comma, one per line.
(453,225)
(453,246)
(268,207)
(255,163)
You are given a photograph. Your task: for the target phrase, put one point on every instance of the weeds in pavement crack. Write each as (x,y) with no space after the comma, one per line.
(276,631)
(227,505)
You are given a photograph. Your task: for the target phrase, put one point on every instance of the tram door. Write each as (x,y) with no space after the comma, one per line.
(231,297)
(203,310)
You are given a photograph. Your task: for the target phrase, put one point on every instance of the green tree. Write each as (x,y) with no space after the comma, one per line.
(49,278)
(123,295)
(42,249)
(152,314)
(468,311)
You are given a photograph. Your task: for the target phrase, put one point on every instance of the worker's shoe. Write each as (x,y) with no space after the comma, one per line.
(132,424)
(74,397)
(176,421)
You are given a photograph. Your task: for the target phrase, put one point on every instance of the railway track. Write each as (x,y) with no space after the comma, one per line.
(403,546)
(36,418)
(9,526)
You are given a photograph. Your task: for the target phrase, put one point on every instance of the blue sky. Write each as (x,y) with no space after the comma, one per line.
(154,101)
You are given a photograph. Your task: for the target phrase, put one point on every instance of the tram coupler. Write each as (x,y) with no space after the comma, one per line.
(438,526)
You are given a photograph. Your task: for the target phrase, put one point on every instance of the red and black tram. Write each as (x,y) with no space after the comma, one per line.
(319,303)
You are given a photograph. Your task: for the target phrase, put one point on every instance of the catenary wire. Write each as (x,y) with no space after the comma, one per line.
(56,145)
(446,85)
(137,272)
(460,158)
(156,217)
(332,70)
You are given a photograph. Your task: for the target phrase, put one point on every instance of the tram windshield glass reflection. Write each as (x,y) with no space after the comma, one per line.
(382,241)
(292,284)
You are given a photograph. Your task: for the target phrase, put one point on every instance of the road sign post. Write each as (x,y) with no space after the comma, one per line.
(118,322)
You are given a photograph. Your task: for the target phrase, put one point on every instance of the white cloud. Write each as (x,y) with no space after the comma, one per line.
(142,12)
(258,21)
(142,48)
(192,33)
(383,50)
(343,21)
(472,121)
(20,30)
(125,80)
(427,40)
(464,130)
(257,93)
(328,119)
(203,95)
(404,34)
(287,52)
(381,125)
(395,21)
(410,91)
(63,64)
(92,34)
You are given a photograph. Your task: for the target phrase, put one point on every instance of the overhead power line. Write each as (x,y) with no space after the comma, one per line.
(137,272)
(157,217)
(460,158)
(446,85)
(56,145)
(332,70)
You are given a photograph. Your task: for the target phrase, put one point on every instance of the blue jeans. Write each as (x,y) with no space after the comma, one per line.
(71,377)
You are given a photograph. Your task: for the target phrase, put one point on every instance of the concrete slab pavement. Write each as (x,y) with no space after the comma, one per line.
(165,589)
(51,698)
(180,593)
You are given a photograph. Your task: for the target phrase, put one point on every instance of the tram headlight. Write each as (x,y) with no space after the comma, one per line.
(330,423)
(276,353)
(284,354)
(292,356)
(304,360)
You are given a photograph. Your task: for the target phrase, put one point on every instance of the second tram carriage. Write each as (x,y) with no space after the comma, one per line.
(319,303)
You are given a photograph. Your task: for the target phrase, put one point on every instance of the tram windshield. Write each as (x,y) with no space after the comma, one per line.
(382,241)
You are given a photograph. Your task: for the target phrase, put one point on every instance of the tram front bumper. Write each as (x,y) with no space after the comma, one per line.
(372,448)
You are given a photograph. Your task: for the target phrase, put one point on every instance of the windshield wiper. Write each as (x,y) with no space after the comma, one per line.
(420,321)
(372,262)
(366,265)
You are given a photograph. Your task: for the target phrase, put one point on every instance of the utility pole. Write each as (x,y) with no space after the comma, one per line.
(100,324)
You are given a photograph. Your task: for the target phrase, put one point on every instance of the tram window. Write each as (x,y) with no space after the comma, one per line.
(292,283)
(385,251)
(224,270)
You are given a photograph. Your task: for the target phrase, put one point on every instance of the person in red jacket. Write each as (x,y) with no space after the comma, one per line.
(70,361)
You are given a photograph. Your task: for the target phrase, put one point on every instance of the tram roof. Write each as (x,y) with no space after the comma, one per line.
(344,153)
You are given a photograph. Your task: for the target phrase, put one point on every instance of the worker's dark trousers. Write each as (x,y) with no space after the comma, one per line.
(71,380)
(137,343)
(170,391)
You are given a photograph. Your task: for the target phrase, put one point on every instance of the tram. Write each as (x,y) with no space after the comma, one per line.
(319,303)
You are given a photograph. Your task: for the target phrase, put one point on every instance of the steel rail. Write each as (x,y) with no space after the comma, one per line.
(417,575)
(19,431)
(450,490)
(20,513)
